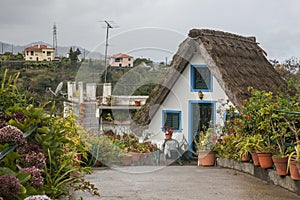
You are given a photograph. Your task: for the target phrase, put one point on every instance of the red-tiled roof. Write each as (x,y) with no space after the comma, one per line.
(37,47)
(121,55)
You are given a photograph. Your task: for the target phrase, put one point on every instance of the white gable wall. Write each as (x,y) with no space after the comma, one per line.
(179,99)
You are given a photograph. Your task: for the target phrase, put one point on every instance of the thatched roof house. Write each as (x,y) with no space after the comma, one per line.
(235,61)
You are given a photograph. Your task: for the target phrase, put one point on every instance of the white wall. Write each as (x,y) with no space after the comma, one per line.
(178,99)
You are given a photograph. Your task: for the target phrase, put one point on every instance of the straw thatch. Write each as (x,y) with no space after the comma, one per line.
(236,62)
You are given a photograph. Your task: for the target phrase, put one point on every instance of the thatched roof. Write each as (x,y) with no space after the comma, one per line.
(236,62)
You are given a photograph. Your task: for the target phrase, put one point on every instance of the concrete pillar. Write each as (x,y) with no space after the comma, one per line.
(80,88)
(91,91)
(71,90)
(106,91)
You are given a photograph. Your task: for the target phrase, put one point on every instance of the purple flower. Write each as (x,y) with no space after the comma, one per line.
(11,135)
(33,159)
(36,179)
(10,186)
(29,148)
(37,197)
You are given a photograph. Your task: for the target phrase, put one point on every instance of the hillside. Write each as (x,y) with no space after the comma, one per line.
(37,77)
(62,51)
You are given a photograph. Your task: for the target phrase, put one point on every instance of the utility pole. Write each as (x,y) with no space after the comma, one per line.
(108,26)
(55,39)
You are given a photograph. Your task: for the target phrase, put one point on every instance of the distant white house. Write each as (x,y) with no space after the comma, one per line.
(209,69)
(121,60)
(39,52)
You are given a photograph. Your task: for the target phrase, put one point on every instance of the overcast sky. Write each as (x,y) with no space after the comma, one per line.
(147,26)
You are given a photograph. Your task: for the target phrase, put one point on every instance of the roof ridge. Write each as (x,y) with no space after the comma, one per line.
(225,36)
(198,33)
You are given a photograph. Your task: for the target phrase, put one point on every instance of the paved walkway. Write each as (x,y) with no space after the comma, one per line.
(180,183)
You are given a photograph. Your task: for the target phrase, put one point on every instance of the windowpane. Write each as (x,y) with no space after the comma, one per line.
(172,120)
(202,78)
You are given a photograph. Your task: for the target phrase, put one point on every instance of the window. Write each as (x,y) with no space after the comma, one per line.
(201,78)
(129,59)
(31,53)
(118,59)
(129,65)
(172,119)
(43,51)
(48,53)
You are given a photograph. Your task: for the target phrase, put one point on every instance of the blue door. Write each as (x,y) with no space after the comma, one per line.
(201,114)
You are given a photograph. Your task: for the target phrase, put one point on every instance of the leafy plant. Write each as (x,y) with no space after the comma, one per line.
(247,144)
(226,147)
(206,140)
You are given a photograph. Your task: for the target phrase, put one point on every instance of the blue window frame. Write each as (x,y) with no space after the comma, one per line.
(172,119)
(201,78)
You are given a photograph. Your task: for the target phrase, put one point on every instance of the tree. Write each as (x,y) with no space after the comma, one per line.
(73,55)
(138,61)
(289,70)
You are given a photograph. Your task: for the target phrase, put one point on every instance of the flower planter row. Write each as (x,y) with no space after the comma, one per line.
(266,161)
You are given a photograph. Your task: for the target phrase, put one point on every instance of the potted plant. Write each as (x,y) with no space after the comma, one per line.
(279,134)
(264,150)
(294,157)
(205,147)
(108,100)
(168,132)
(126,158)
(245,146)
(252,141)
(137,102)
(293,161)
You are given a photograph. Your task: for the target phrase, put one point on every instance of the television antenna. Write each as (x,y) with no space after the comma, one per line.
(57,90)
(108,26)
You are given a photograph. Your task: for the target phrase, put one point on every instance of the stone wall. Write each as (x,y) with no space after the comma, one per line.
(269,175)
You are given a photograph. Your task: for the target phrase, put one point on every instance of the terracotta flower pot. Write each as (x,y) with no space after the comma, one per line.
(143,156)
(206,158)
(265,160)
(135,156)
(280,165)
(168,136)
(246,157)
(294,171)
(126,160)
(298,167)
(137,103)
(255,158)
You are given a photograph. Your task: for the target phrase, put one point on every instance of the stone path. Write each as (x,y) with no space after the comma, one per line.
(181,182)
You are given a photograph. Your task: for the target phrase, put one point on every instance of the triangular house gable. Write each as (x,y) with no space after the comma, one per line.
(236,62)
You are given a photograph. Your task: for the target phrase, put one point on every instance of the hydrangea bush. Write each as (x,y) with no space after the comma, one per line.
(34,140)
